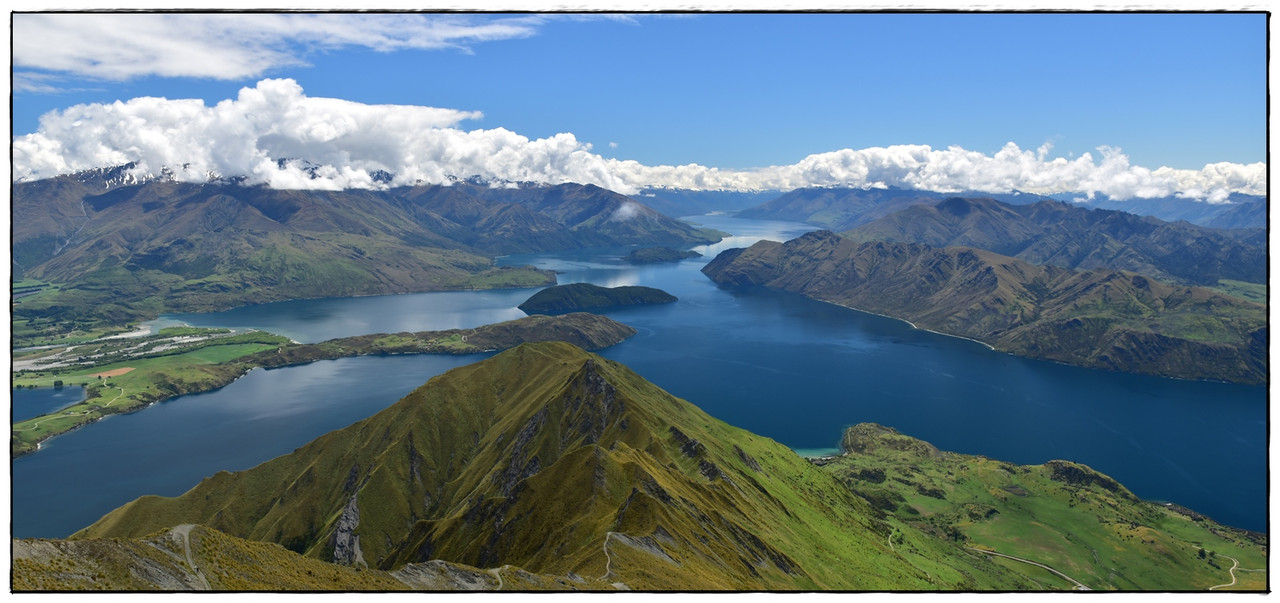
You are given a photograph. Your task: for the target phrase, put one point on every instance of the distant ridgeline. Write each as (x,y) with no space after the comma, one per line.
(1116,320)
(585,296)
(1067,235)
(546,467)
(841,209)
(123,253)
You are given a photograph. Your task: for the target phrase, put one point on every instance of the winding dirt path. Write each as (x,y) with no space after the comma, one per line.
(1079,585)
(113,400)
(184,531)
(607,559)
(497,573)
(1232,571)
(1235,567)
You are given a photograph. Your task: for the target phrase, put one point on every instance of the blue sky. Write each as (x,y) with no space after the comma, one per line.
(740,91)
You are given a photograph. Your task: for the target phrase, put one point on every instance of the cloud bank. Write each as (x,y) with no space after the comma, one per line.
(123,46)
(355,144)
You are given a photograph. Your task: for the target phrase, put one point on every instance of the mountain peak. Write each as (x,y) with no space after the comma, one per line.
(555,461)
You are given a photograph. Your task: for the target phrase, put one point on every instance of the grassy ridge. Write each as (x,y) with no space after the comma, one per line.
(1060,514)
(564,464)
(558,469)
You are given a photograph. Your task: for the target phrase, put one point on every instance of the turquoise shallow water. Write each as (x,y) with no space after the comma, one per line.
(780,365)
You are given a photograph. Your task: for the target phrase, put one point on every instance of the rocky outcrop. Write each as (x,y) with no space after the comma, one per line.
(346,543)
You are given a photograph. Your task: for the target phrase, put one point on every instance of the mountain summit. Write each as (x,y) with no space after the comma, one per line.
(560,463)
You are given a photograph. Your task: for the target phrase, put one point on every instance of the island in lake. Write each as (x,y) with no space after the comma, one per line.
(582,296)
(658,255)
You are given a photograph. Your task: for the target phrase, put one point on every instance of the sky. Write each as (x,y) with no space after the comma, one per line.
(1128,105)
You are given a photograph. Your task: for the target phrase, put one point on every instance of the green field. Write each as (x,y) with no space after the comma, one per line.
(135,382)
(1060,514)
(1253,292)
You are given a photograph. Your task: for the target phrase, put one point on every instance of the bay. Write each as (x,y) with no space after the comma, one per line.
(29,403)
(777,364)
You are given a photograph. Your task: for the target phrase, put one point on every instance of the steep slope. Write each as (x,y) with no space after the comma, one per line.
(561,463)
(196,558)
(1071,236)
(1061,514)
(1113,320)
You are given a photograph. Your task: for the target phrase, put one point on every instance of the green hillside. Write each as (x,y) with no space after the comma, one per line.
(547,467)
(1103,319)
(1061,514)
(112,255)
(196,558)
(561,463)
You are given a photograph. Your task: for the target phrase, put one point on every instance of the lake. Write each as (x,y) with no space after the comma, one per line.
(28,403)
(777,364)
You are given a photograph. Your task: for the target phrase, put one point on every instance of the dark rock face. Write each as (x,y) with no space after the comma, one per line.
(689,446)
(346,543)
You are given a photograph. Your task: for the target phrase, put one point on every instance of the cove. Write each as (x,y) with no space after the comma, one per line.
(777,364)
(28,403)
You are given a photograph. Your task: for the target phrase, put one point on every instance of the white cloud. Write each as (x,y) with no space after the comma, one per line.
(350,141)
(121,46)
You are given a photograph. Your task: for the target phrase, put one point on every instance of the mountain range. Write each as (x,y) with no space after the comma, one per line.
(1115,320)
(546,467)
(120,252)
(839,209)
(1238,210)
(1067,235)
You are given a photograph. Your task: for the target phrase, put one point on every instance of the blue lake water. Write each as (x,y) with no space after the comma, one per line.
(28,403)
(780,365)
